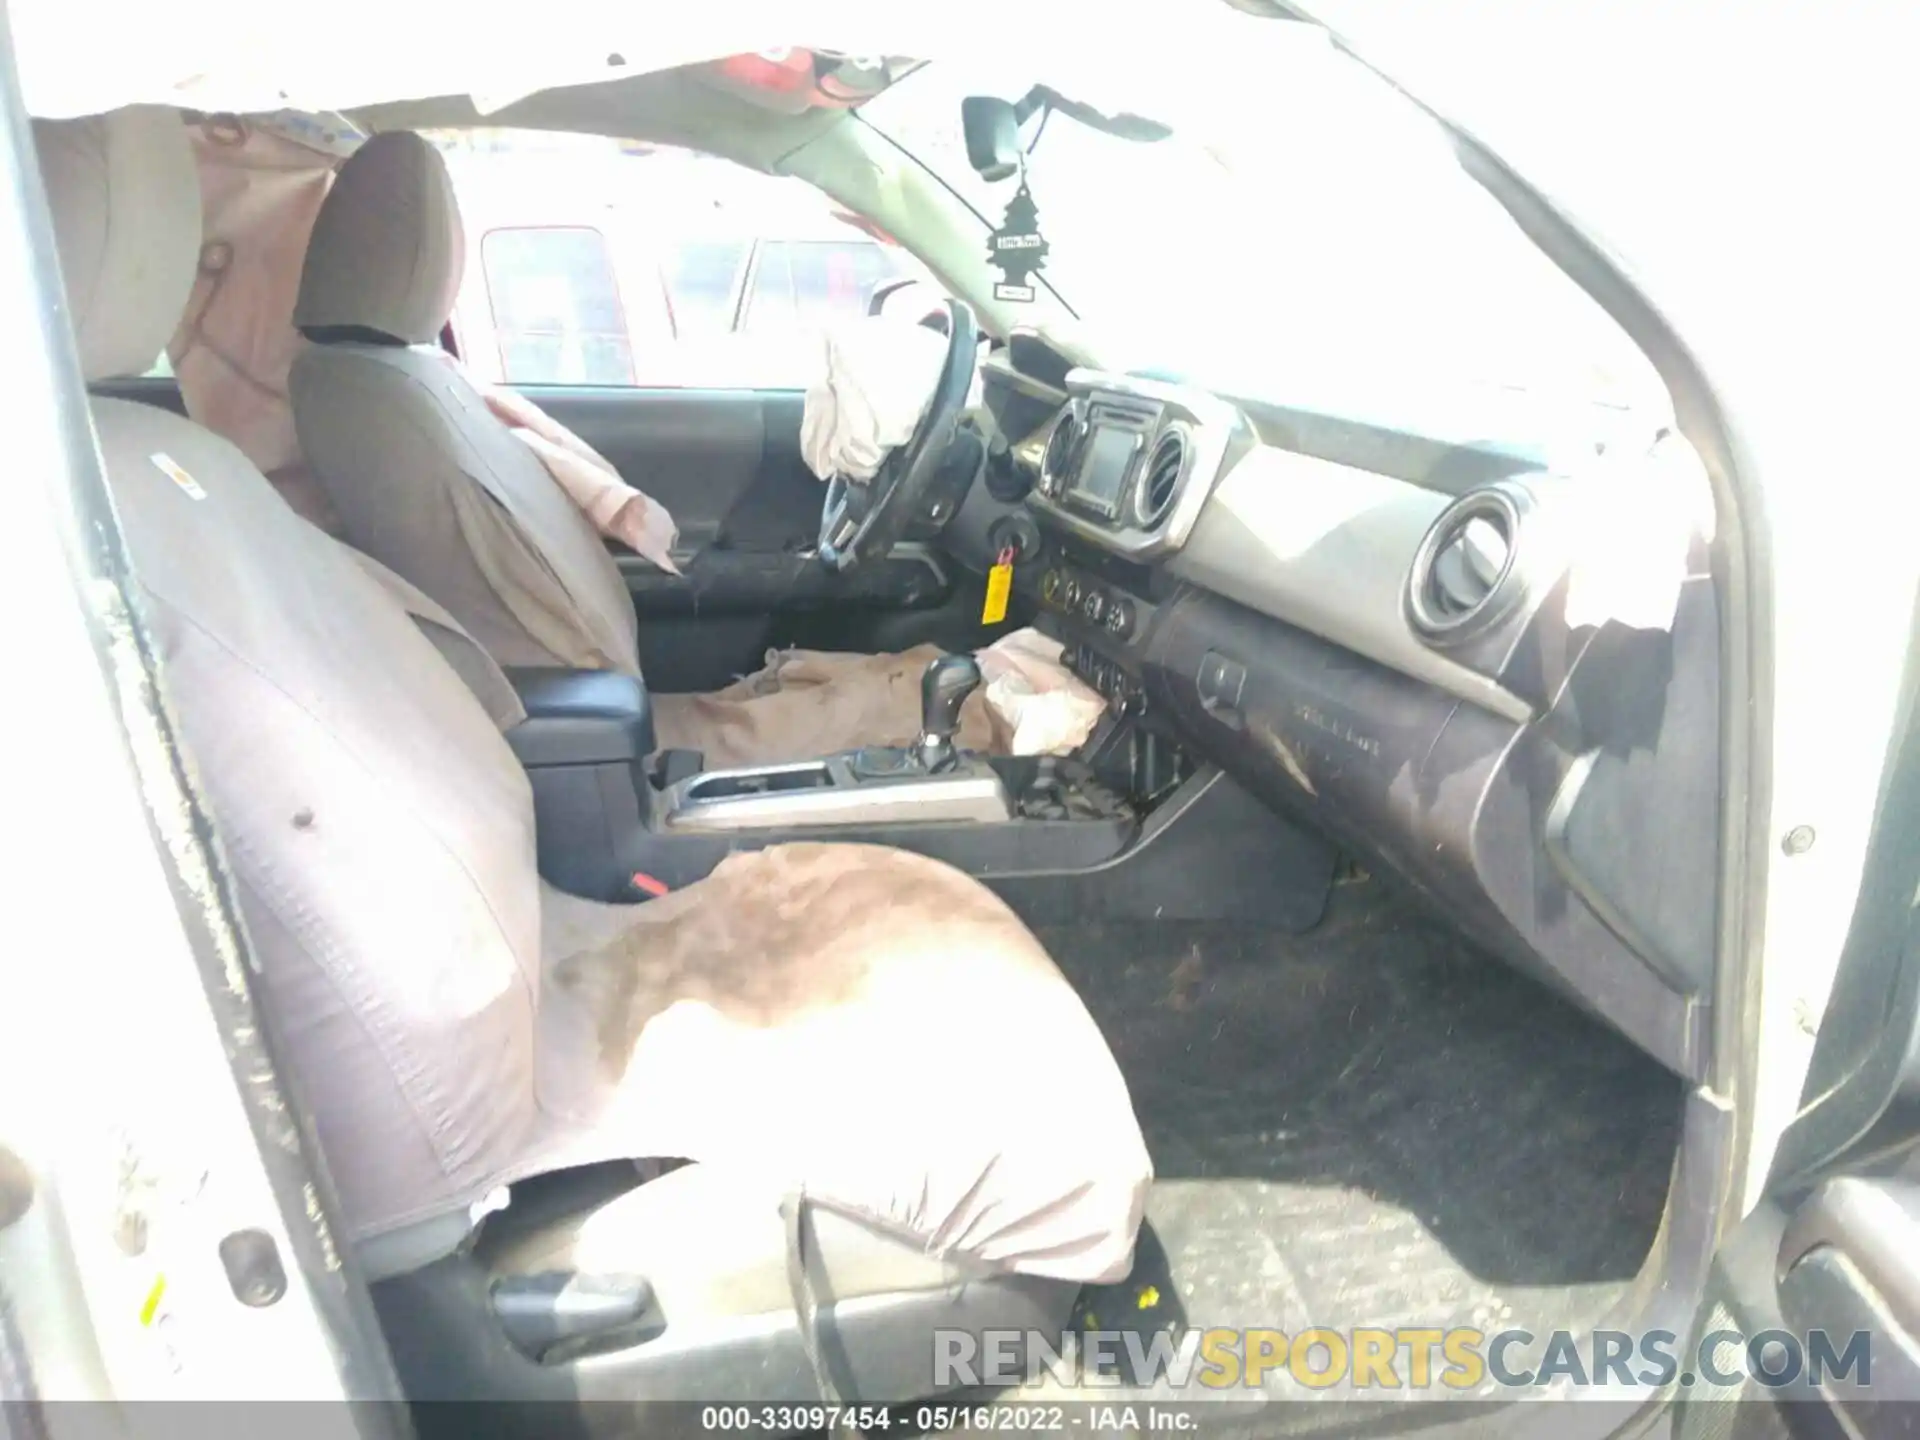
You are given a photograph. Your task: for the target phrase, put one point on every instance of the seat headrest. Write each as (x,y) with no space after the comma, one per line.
(387,250)
(125,199)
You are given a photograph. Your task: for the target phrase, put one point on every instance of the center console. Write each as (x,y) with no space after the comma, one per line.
(614,821)
(927,783)
(858,788)
(1125,828)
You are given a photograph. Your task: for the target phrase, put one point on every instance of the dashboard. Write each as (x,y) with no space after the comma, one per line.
(1128,464)
(1369,629)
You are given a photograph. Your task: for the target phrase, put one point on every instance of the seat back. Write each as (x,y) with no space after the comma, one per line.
(377,829)
(422,474)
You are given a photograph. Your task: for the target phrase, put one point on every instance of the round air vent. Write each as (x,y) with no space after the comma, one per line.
(1464,577)
(1160,479)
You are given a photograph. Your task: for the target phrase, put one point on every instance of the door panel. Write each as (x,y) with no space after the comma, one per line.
(726,463)
(742,581)
(1822,1292)
(701,453)
(1849,1263)
(786,503)
(1834,1249)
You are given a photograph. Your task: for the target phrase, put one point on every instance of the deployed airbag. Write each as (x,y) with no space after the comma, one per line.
(1039,707)
(262,182)
(879,378)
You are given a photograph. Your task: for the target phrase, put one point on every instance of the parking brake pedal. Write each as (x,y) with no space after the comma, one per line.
(560,1307)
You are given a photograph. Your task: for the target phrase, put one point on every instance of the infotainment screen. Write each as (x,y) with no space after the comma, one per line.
(1103,473)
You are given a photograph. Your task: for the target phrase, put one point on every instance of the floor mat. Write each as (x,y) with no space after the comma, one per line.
(1370,1124)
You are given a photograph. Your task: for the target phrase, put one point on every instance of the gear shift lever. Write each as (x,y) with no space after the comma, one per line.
(943,690)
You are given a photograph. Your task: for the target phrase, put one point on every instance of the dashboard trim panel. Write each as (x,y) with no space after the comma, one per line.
(1326,548)
(1547,784)
(1215,423)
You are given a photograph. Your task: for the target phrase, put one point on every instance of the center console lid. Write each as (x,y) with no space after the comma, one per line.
(580,717)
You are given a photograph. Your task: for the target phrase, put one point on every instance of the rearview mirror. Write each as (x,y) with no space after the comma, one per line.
(992,129)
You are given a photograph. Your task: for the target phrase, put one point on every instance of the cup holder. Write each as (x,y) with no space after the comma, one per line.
(833,792)
(734,784)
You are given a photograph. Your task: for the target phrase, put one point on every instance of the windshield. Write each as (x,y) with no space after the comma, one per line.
(1305,237)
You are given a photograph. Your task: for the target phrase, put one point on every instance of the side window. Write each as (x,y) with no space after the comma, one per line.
(801,284)
(557,317)
(593,261)
(703,285)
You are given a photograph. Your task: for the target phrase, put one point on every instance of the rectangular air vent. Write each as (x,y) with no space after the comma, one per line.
(1142,418)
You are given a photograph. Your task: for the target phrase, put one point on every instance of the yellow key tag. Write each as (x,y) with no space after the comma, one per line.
(999,587)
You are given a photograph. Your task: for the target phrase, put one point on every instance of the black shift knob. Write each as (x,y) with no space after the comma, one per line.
(943,690)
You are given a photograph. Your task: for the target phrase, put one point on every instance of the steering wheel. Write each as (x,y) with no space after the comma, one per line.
(860,520)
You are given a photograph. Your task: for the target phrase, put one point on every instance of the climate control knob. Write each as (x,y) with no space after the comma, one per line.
(1093,605)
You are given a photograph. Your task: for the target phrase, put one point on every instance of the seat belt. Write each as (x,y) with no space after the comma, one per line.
(473,665)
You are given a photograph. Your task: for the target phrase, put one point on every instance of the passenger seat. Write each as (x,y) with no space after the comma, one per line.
(900,1116)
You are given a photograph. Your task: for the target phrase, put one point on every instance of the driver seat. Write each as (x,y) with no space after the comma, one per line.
(427,480)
